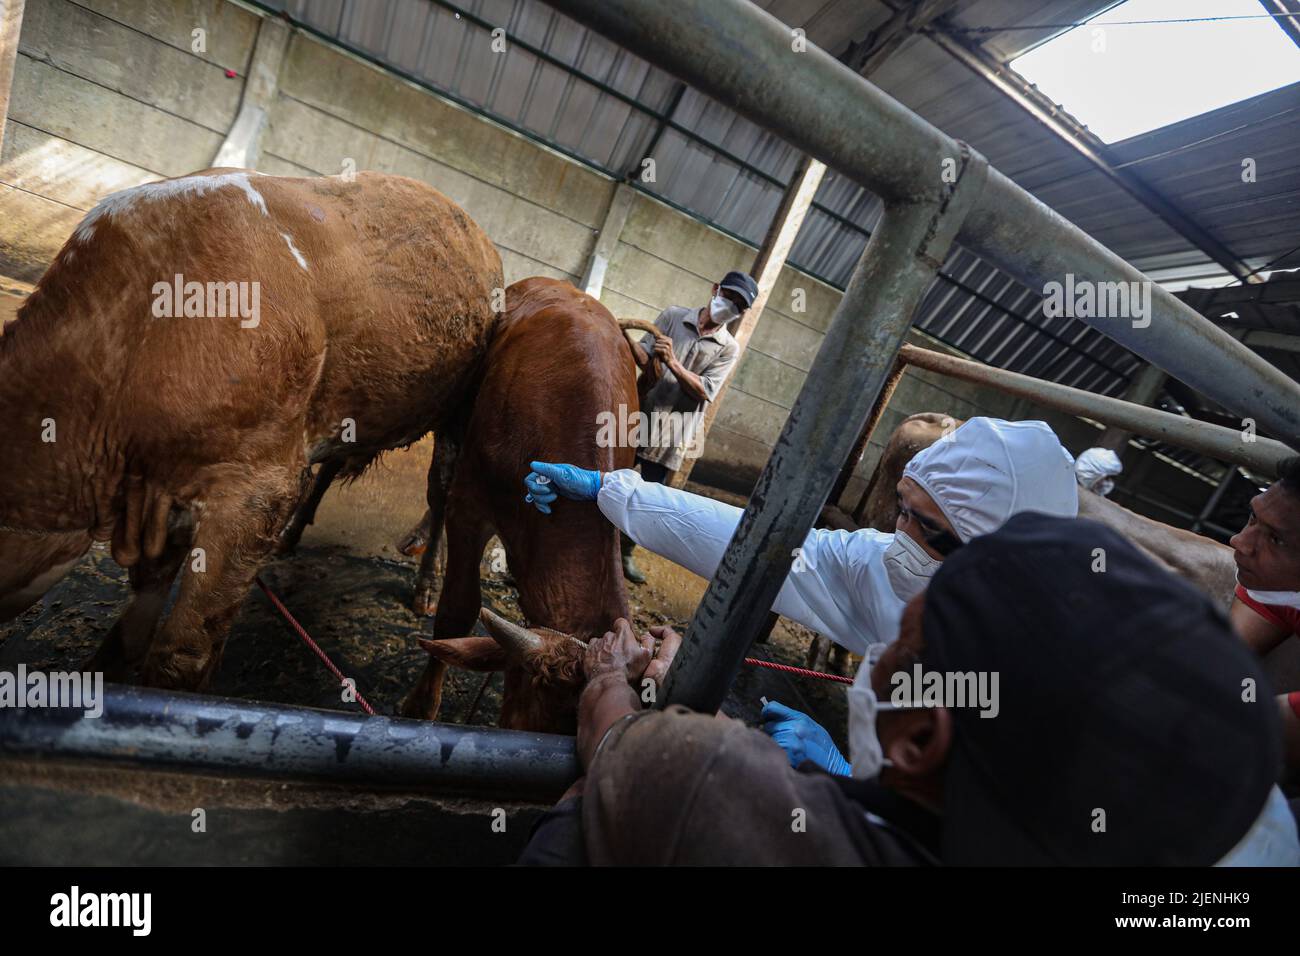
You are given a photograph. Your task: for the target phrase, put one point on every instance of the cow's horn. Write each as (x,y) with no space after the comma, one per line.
(515,639)
(564,637)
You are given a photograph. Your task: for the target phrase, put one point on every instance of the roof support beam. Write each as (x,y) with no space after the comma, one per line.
(867,55)
(1277,291)
(1290,24)
(1020,92)
(1267,339)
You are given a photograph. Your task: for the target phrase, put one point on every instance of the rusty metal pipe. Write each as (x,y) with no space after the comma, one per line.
(1215,441)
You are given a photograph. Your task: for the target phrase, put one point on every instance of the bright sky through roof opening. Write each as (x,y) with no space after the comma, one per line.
(1127,79)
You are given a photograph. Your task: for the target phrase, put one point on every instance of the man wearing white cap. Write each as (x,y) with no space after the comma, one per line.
(849,586)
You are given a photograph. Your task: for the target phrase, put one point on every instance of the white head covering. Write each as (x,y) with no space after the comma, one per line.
(1096,468)
(989,469)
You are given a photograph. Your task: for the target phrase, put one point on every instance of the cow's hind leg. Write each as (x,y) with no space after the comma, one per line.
(305,513)
(467,534)
(151,581)
(442,469)
(236,533)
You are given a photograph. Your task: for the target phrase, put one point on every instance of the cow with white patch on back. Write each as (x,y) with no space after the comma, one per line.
(185,431)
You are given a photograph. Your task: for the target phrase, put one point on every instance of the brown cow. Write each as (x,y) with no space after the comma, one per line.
(195,348)
(912,434)
(555,348)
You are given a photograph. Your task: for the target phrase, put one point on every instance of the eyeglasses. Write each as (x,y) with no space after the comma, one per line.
(942,541)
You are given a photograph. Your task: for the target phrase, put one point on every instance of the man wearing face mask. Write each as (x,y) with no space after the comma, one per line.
(697,352)
(1116,692)
(1266,607)
(849,586)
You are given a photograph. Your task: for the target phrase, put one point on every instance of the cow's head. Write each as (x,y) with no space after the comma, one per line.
(543,671)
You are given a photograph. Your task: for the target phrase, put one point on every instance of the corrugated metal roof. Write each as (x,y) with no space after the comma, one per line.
(579,92)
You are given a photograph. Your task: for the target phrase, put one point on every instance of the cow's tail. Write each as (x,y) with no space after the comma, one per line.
(640,325)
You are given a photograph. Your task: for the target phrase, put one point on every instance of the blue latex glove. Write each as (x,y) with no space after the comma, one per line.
(802,738)
(546,480)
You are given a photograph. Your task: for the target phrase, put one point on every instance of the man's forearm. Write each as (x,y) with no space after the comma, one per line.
(606,699)
(690,382)
(1259,633)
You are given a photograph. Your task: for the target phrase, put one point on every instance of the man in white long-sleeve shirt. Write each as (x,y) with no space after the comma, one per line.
(849,586)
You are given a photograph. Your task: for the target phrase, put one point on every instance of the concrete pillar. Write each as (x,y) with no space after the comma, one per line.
(11,24)
(243,144)
(593,277)
(1143,390)
(767,267)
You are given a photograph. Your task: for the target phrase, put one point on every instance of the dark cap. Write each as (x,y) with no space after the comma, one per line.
(1122,737)
(742,284)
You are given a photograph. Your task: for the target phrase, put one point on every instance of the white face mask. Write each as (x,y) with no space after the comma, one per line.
(722,310)
(1276,598)
(908,566)
(865,753)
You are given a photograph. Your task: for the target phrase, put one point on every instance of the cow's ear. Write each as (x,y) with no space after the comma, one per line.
(471,653)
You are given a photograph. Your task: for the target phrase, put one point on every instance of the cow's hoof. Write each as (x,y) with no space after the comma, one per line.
(288,541)
(425,602)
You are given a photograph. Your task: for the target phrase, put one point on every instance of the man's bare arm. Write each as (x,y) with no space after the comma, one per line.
(611,662)
(1261,634)
(690,382)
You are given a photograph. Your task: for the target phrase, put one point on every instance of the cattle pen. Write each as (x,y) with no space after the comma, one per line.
(293,780)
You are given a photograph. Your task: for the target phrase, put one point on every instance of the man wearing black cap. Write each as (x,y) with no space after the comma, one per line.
(1129,728)
(697,353)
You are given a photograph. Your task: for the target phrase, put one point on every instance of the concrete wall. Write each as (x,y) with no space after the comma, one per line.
(109,93)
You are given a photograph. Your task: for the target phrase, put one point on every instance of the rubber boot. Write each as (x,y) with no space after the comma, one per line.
(630,570)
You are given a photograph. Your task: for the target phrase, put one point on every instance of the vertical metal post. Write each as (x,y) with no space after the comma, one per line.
(850,370)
